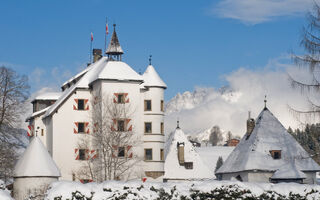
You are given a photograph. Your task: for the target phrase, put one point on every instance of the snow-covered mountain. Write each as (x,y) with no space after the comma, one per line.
(189,100)
(200,97)
(204,135)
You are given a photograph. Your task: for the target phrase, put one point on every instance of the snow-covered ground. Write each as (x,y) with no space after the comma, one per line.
(210,155)
(175,190)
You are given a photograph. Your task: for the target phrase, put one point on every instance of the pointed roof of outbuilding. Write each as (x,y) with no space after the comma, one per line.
(173,170)
(152,79)
(253,152)
(36,161)
(114,47)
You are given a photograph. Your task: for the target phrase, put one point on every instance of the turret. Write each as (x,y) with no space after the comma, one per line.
(114,50)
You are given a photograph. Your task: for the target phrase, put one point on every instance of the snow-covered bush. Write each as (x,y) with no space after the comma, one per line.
(181,191)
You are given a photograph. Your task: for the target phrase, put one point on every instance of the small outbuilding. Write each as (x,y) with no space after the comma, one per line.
(34,172)
(268,153)
(182,162)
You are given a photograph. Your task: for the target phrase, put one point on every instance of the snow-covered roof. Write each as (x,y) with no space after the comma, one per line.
(36,161)
(102,69)
(38,113)
(152,79)
(253,153)
(48,96)
(288,171)
(173,170)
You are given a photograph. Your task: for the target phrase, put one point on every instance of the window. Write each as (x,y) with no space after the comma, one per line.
(162,105)
(121,125)
(276,154)
(82,154)
(161,154)
(161,128)
(148,127)
(121,152)
(80,104)
(84,181)
(147,105)
(42,132)
(148,154)
(81,127)
(188,165)
(121,98)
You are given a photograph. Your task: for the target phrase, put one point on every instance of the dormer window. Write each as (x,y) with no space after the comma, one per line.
(276,154)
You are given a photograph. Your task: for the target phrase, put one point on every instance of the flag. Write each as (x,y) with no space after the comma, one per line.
(107,29)
(91,36)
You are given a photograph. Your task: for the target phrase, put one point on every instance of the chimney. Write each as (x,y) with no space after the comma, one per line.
(180,147)
(250,125)
(97,54)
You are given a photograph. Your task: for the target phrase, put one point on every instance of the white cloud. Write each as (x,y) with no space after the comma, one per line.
(258,11)
(230,110)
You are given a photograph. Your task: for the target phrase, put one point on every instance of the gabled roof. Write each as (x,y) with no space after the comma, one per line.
(48,96)
(253,153)
(114,47)
(173,170)
(152,79)
(102,69)
(36,161)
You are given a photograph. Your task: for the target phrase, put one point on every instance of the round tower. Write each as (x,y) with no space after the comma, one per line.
(154,135)
(34,172)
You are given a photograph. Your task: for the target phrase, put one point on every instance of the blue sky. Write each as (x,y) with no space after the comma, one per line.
(193,43)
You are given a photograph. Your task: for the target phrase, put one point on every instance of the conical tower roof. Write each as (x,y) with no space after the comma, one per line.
(175,171)
(254,150)
(36,161)
(152,79)
(114,47)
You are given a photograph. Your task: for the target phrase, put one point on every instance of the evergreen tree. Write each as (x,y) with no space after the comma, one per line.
(219,163)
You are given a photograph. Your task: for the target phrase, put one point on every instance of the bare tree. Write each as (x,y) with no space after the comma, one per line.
(311,43)
(112,140)
(14,90)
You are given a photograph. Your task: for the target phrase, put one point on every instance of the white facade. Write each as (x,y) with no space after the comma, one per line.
(108,78)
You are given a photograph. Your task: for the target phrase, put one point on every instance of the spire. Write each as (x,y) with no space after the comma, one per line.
(178,127)
(114,50)
(150,59)
(265,101)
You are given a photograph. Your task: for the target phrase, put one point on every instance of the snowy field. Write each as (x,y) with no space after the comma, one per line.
(181,190)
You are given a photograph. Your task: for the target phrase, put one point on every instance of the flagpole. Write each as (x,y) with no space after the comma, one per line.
(105,36)
(90,51)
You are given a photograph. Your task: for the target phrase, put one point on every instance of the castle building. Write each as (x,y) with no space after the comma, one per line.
(62,120)
(268,153)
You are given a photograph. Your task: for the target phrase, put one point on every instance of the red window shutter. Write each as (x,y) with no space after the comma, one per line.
(126,97)
(76,151)
(87,127)
(115,100)
(115,151)
(129,153)
(75,107)
(75,130)
(86,105)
